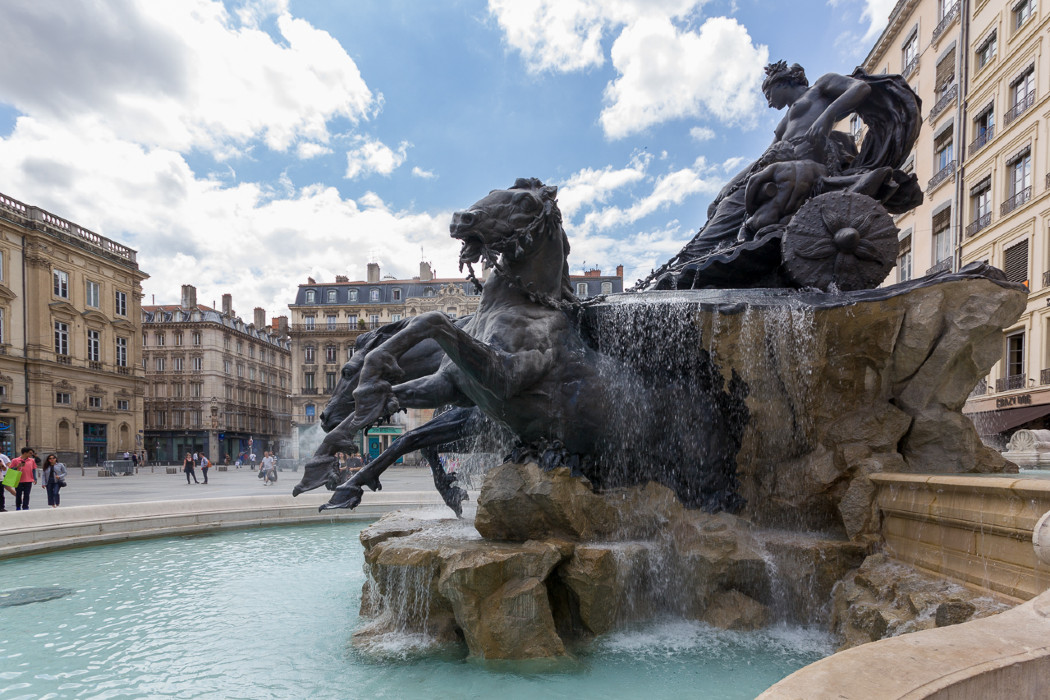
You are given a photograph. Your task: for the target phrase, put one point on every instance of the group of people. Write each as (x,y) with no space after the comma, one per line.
(190,463)
(51,475)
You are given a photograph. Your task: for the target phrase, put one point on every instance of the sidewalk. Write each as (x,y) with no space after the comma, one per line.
(93,490)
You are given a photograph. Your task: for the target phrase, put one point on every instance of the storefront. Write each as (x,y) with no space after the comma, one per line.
(378,439)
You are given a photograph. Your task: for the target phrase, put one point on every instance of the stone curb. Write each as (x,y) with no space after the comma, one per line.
(49,529)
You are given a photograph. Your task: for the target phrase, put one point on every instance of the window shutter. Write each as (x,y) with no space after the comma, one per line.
(942,220)
(946,70)
(1015,262)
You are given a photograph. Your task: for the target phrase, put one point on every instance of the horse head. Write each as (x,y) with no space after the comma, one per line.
(507,225)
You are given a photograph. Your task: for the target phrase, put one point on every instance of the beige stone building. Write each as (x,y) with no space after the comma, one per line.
(71,380)
(327,317)
(982,72)
(215,383)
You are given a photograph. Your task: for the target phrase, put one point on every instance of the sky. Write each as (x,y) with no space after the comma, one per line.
(243,146)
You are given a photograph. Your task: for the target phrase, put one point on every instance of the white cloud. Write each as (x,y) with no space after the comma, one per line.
(589,187)
(306,150)
(566,35)
(667,73)
(425,174)
(373,156)
(202,78)
(877,13)
(701,133)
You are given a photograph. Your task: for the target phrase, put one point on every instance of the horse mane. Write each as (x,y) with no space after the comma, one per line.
(549,224)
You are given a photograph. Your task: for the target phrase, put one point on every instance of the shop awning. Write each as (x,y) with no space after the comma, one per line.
(993,422)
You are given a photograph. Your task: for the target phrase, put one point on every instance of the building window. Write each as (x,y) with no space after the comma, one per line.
(1015,262)
(331,321)
(311,413)
(159,338)
(308,381)
(92,294)
(373,321)
(910,53)
(196,389)
(981,204)
(93,342)
(308,322)
(251,351)
(311,296)
(394,318)
(983,128)
(581,289)
(120,303)
(942,150)
(1023,12)
(373,294)
(944,76)
(178,337)
(161,418)
(123,405)
(1015,355)
(159,364)
(1022,94)
(240,369)
(904,262)
(61,283)
(396,293)
(95,402)
(3,329)
(1019,170)
(330,353)
(942,235)
(227,366)
(63,397)
(176,364)
(61,338)
(329,381)
(309,356)
(198,364)
(251,374)
(428,292)
(176,419)
(228,392)
(122,352)
(352,295)
(606,287)
(196,338)
(986,51)
(332,296)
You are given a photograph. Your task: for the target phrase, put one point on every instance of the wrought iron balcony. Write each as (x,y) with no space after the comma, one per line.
(910,68)
(947,97)
(981,389)
(943,266)
(978,224)
(310,390)
(1014,381)
(1019,108)
(981,139)
(1015,201)
(950,16)
(1044,377)
(942,175)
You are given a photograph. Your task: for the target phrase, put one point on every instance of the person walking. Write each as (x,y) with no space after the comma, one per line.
(268,469)
(205,465)
(5,461)
(53,477)
(187,466)
(25,463)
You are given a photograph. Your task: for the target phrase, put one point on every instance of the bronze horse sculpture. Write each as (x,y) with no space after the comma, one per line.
(525,363)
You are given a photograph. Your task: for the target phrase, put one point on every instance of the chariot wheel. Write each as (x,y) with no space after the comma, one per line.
(843,240)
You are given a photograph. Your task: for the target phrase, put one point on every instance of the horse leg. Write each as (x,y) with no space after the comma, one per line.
(449,426)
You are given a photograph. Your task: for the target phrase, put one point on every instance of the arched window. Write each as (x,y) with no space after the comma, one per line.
(311,296)
(331,296)
(353,295)
(124,439)
(428,292)
(373,294)
(606,287)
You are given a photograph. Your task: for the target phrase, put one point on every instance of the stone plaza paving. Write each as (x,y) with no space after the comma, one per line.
(153,484)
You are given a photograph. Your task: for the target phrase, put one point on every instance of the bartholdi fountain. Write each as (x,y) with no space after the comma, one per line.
(702,446)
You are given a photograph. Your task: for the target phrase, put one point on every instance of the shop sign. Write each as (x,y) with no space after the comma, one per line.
(1009,401)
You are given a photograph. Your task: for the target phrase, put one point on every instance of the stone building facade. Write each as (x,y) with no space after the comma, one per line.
(216,384)
(327,317)
(982,71)
(71,380)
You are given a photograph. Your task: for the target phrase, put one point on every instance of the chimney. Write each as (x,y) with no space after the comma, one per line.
(189,296)
(227,304)
(341,278)
(282,325)
(619,271)
(310,280)
(373,272)
(425,273)
(260,318)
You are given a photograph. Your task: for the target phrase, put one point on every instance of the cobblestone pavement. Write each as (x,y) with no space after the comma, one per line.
(90,489)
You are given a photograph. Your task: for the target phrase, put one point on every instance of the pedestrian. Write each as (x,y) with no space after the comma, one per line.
(205,465)
(135,459)
(187,466)
(53,477)
(251,458)
(127,456)
(227,460)
(25,463)
(4,462)
(353,462)
(265,467)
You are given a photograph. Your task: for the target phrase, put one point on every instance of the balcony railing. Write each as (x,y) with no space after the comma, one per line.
(981,139)
(910,68)
(1044,377)
(942,175)
(1046,279)
(1019,108)
(981,389)
(123,370)
(950,16)
(943,266)
(310,390)
(1014,381)
(92,364)
(64,359)
(947,97)
(1015,201)
(978,224)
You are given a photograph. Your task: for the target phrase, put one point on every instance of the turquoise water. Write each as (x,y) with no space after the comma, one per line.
(268,613)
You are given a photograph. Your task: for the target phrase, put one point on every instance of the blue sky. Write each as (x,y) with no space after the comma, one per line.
(243,146)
